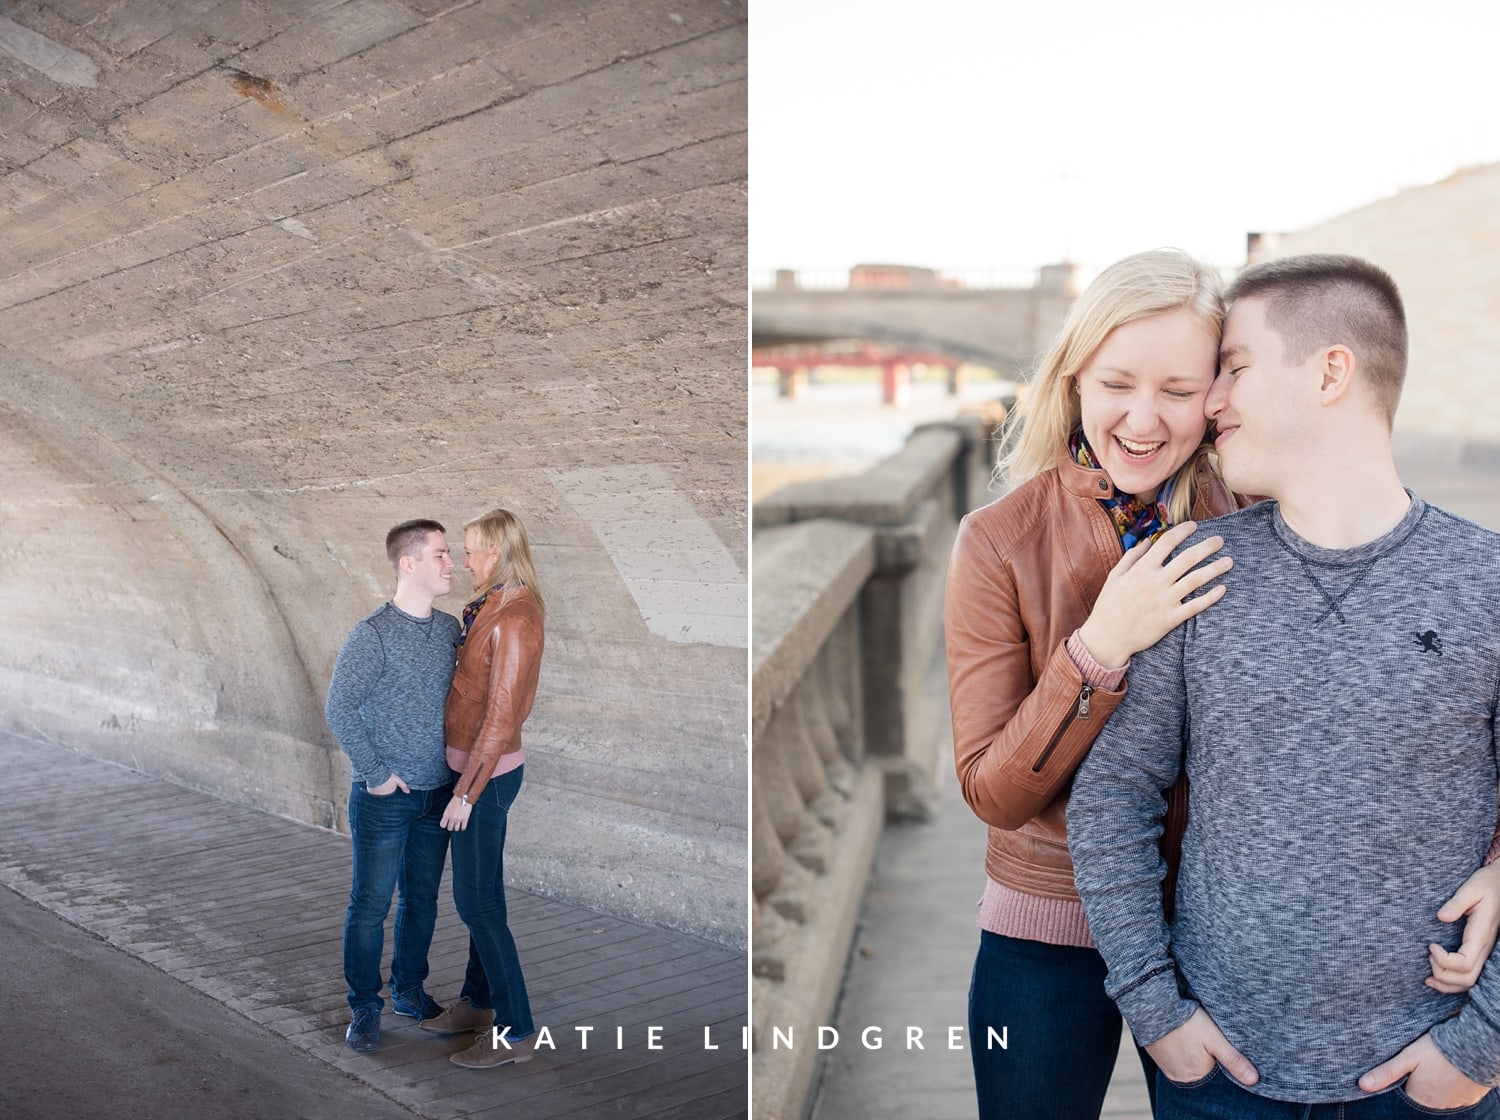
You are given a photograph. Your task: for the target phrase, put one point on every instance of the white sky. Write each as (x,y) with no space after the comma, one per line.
(1002,133)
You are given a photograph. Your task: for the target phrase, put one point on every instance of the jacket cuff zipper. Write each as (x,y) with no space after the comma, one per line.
(1077,713)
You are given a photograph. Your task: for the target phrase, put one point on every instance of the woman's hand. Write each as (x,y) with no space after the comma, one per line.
(1479,899)
(456,815)
(1142,600)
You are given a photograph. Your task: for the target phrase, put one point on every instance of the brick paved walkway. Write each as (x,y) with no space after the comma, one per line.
(910,967)
(248,908)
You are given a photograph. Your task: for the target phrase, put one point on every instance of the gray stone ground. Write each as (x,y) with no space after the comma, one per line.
(915,945)
(220,903)
(155,1047)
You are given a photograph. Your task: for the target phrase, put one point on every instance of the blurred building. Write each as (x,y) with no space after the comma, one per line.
(1442,244)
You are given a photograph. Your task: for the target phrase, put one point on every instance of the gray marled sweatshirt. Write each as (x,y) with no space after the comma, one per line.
(1339,709)
(386,698)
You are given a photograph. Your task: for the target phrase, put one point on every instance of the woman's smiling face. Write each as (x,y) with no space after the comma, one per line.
(1141,397)
(479,560)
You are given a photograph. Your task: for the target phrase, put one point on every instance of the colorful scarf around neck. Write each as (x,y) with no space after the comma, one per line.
(1134,519)
(471,612)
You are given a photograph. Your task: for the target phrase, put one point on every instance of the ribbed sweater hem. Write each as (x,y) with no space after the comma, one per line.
(1053,921)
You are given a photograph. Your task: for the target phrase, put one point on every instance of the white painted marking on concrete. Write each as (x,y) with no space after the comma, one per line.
(364,579)
(167,347)
(609,213)
(61,64)
(296,228)
(685,583)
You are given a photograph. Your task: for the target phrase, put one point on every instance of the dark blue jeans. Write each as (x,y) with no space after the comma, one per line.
(398,841)
(1219,1097)
(1063,1032)
(493,978)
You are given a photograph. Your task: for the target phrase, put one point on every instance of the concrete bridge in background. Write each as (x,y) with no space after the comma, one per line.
(1423,236)
(1004,328)
(276,276)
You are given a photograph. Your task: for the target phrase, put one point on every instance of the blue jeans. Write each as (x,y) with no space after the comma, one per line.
(493,978)
(398,841)
(1219,1097)
(1063,1032)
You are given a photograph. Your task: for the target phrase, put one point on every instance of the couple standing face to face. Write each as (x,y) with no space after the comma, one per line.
(432,565)
(1147,394)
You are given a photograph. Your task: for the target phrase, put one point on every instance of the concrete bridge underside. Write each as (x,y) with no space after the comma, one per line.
(276,275)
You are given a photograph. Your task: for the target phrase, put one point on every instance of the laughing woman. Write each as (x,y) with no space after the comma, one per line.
(499,659)
(1042,616)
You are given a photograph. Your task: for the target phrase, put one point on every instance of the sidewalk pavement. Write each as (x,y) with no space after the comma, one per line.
(913,952)
(915,944)
(92,1031)
(248,909)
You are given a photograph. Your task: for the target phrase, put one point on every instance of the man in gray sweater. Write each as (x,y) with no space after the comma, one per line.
(1337,716)
(385,706)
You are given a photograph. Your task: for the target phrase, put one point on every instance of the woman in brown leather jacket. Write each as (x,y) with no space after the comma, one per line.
(499,658)
(1051,589)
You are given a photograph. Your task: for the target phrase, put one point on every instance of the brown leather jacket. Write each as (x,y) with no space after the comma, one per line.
(494,686)
(1026,571)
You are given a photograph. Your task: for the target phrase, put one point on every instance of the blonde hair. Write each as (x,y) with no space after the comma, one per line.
(499,528)
(1037,432)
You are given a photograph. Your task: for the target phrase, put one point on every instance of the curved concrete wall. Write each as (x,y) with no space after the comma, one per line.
(275,276)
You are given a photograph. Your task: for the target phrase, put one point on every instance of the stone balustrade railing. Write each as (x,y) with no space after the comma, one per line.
(847,717)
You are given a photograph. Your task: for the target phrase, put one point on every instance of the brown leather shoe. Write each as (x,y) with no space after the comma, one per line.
(488,1051)
(459,1018)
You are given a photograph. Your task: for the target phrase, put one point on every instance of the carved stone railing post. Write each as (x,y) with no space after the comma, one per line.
(815,809)
(848,706)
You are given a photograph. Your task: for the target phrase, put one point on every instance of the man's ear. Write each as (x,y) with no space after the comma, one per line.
(1337,369)
(405,565)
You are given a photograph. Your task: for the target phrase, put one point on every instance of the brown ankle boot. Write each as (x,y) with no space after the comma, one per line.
(490,1050)
(459,1018)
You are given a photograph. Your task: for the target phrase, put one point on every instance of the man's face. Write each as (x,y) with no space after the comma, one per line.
(1260,404)
(432,566)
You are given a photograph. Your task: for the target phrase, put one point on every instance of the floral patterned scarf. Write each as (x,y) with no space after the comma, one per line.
(471,612)
(1134,519)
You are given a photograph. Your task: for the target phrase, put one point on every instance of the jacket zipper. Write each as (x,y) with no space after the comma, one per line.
(1080,712)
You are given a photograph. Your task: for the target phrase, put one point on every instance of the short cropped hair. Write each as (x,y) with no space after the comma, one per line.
(1326,299)
(408,538)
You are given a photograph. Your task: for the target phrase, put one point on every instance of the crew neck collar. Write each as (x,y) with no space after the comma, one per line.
(1393,538)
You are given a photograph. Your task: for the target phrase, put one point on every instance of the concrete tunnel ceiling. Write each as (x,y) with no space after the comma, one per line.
(275,276)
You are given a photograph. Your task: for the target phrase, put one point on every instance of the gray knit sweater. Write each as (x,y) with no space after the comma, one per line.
(1339,709)
(385,701)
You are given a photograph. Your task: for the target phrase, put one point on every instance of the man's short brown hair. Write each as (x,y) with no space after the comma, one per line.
(408,538)
(1327,299)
